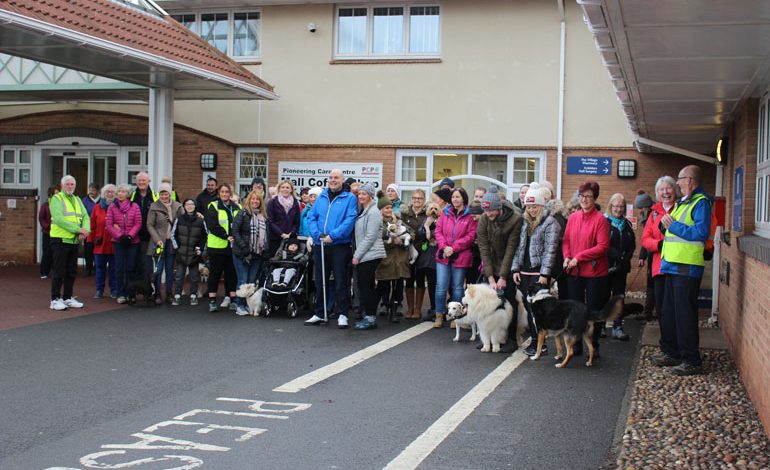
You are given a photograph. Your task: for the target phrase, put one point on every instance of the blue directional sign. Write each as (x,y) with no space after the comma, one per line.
(601,166)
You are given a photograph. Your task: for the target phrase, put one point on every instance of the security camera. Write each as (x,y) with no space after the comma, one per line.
(311,27)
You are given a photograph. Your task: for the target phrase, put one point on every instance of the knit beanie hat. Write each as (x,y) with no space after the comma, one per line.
(383,201)
(534,196)
(369,189)
(447,181)
(394,187)
(164,187)
(315,190)
(475,209)
(491,200)
(445,194)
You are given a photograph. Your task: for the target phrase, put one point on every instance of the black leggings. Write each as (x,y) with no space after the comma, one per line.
(219,262)
(390,291)
(592,291)
(366,286)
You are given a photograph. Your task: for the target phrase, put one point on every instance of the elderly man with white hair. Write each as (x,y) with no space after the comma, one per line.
(70,225)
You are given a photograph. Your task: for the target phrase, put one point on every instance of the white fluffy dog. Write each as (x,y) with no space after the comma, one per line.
(459,314)
(492,315)
(253,296)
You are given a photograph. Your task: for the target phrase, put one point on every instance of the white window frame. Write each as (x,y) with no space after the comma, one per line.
(230,29)
(127,168)
(762,200)
(511,187)
(16,167)
(245,181)
(369,55)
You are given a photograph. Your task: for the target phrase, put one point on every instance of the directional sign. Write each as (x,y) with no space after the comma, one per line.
(601,166)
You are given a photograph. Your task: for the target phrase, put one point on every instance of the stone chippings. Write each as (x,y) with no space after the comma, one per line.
(697,422)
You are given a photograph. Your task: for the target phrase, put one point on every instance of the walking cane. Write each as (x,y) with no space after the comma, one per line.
(323,277)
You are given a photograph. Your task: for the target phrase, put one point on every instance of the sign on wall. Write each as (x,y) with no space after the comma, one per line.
(315,174)
(738,200)
(601,166)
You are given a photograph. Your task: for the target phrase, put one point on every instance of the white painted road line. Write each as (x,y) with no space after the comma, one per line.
(427,442)
(312,378)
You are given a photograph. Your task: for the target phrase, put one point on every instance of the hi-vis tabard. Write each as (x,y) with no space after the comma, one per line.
(152,194)
(213,240)
(677,249)
(71,210)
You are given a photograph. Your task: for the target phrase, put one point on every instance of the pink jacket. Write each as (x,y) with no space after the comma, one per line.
(127,216)
(459,232)
(587,239)
(652,235)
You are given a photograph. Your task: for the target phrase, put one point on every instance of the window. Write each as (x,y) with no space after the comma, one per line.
(136,161)
(16,167)
(387,31)
(251,163)
(233,33)
(525,170)
(414,168)
(762,208)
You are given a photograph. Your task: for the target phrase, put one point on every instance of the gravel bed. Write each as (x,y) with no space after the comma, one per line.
(696,422)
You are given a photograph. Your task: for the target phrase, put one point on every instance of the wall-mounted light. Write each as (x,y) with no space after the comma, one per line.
(626,168)
(311,27)
(722,150)
(208,161)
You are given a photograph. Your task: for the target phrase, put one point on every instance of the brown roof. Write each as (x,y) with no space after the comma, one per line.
(123,25)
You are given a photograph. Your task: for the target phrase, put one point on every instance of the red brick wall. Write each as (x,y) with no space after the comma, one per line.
(19,229)
(744,305)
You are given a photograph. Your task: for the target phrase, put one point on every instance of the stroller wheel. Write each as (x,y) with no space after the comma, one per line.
(291,309)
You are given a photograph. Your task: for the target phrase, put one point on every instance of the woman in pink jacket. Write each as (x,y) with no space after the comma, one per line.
(124,220)
(652,237)
(585,245)
(455,234)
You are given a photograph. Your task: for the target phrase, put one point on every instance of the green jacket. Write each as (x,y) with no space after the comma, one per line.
(66,223)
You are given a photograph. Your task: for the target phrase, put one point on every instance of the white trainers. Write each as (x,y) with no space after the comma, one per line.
(241,311)
(315,320)
(342,322)
(72,303)
(225,302)
(58,304)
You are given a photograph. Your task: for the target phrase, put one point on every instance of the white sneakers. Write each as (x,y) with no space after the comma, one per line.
(59,304)
(315,320)
(241,311)
(342,322)
(225,302)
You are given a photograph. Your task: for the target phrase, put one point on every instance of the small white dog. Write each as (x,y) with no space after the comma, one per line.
(492,315)
(253,296)
(459,314)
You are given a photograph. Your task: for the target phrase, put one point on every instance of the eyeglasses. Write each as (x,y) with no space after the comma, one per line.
(683,177)
(618,207)
(586,196)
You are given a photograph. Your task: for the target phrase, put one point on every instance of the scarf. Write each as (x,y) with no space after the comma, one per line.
(170,218)
(105,205)
(617,222)
(286,202)
(257,232)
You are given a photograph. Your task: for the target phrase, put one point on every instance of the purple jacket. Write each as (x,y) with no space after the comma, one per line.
(459,232)
(127,216)
(280,221)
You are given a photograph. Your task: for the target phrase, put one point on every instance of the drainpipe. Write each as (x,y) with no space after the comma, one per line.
(716,261)
(560,125)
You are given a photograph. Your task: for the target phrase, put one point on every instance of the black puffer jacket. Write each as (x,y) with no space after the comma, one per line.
(188,233)
(622,247)
(242,234)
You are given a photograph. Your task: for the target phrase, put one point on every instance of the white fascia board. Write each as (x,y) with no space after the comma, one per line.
(675,149)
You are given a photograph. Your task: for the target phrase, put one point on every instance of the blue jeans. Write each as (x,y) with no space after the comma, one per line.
(166,263)
(337,258)
(125,262)
(446,276)
(104,262)
(247,273)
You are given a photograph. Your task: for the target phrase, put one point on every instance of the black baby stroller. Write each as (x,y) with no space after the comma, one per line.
(287,283)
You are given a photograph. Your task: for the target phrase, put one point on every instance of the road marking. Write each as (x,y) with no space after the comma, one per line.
(312,378)
(427,442)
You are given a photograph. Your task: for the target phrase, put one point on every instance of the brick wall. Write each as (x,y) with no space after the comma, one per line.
(19,228)
(744,304)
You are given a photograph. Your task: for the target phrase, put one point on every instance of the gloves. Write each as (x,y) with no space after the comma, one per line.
(247,259)
(125,240)
(97,241)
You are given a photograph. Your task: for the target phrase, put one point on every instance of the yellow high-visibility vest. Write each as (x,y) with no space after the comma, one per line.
(677,249)
(214,241)
(72,212)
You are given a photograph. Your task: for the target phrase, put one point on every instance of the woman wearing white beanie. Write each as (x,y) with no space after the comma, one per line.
(394,194)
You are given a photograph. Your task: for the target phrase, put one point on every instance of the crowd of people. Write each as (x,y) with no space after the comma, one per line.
(376,255)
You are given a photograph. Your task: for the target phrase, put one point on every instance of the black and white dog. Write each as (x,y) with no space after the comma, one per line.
(568,321)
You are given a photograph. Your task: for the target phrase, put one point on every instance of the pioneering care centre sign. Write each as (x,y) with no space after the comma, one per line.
(312,174)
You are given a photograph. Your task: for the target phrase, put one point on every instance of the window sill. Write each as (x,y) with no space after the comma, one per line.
(755,246)
(383,61)
(248,61)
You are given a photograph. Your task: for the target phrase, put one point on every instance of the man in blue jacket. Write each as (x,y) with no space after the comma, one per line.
(686,230)
(331,222)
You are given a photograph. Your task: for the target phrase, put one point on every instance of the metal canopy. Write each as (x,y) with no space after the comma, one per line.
(41,41)
(681,69)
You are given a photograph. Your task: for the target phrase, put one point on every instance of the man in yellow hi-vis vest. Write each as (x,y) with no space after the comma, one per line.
(686,230)
(70,225)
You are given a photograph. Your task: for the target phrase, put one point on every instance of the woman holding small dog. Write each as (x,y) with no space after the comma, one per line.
(424,268)
(219,222)
(455,234)
(622,247)
(395,267)
(585,245)
(251,242)
(369,253)
(124,220)
(536,254)
(160,221)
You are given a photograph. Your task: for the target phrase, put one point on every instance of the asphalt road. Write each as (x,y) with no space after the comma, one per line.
(179,388)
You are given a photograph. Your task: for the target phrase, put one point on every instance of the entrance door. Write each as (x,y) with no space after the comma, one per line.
(78,167)
(104,169)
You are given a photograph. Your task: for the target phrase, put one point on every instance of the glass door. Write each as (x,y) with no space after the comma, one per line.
(104,169)
(77,166)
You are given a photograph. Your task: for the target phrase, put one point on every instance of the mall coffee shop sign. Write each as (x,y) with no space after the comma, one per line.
(600,166)
(315,174)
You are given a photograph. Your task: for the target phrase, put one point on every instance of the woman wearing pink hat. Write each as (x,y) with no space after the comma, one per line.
(160,220)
